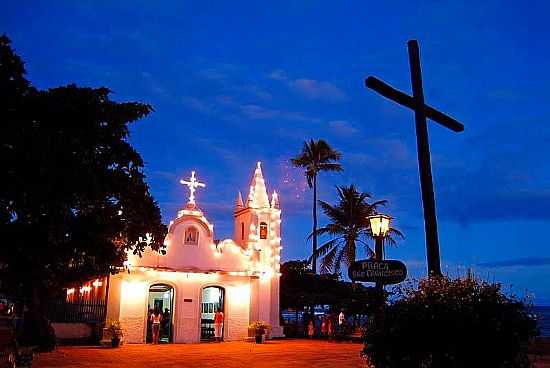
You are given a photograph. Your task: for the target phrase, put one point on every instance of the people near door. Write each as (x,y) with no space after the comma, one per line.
(341,318)
(150,312)
(165,323)
(324,326)
(330,328)
(310,329)
(156,318)
(218,325)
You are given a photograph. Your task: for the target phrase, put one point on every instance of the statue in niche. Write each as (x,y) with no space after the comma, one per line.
(191,236)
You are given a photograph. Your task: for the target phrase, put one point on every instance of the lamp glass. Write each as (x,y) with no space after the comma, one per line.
(379,224)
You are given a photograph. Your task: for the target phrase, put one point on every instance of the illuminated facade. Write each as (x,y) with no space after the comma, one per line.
(198,274)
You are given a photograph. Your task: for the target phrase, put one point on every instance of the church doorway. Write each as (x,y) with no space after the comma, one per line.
(213,297)
(161,299)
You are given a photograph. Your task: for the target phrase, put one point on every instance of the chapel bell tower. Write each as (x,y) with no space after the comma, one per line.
(258,222)
(258,230)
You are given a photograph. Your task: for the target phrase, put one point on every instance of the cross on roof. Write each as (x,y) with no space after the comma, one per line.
(192,184)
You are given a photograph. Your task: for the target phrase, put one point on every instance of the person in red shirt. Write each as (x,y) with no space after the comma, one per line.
(218,325)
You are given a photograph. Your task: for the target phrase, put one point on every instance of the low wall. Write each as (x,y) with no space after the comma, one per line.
(73,331)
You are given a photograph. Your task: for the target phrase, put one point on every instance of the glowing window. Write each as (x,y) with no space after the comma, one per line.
(191,236)
(263,230)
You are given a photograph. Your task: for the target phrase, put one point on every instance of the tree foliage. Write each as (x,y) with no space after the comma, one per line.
(316,156)
(451,323)
(301,287)
(73,198)
(348,229)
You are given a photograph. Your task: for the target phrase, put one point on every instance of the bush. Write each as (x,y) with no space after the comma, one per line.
(451,323)
(259,326)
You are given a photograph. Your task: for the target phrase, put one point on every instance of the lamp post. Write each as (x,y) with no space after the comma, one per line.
(379,225)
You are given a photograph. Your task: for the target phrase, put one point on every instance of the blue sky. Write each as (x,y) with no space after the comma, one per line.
(237,82)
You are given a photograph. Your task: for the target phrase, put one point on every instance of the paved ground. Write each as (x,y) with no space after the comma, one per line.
(273,354)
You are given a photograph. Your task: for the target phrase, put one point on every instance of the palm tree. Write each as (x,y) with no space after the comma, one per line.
(316,156)
(349,228)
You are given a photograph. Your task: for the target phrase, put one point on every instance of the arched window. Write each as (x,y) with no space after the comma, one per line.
(191,236)
(242,230)
(263,230)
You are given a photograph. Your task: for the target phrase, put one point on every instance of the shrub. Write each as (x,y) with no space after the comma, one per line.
(451,323)
(259,326)
(114,328)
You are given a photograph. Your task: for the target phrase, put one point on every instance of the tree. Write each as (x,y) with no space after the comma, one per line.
(316,156)
(443,322)
(349,227)
(73,199)
(300,288)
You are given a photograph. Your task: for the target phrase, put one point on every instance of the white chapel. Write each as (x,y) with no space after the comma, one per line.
(199,274)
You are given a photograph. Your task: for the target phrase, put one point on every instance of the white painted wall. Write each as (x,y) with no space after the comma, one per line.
(134,296)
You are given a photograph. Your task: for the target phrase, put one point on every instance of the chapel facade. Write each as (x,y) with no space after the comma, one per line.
(199,274)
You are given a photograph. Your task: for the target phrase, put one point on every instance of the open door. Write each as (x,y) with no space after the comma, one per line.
(161,298)
(213,297)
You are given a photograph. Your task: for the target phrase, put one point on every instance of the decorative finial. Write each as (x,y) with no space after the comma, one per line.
(192,184)
(274,200)
(239,204)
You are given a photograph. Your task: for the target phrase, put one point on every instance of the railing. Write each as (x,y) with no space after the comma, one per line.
(88,312)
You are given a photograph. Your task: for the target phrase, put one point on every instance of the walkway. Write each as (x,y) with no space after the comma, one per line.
(273,354)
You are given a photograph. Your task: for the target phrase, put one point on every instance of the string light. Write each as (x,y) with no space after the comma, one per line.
(85,289)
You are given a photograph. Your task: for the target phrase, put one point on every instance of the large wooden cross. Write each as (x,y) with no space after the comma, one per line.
(421,112)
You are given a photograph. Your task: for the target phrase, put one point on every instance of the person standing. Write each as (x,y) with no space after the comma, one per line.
(324,327)
(330,329)
(218,325)
(165,324)
(341,318)
(156,318)
(310,329)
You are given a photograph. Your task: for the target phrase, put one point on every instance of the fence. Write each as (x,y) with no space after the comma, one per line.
(82,311)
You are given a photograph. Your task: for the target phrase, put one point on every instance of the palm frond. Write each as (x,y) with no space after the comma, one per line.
(338,261)
(330,166)
(327,262)
(330,229)
(370,251)
(325,248)
(394,231)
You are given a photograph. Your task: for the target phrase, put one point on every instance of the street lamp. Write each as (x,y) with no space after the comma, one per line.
(379,225)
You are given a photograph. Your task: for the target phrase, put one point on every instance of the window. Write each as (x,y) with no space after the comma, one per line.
(191,236)
(263,230)
(242,230)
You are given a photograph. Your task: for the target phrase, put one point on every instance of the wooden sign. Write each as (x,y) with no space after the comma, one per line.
(384,272)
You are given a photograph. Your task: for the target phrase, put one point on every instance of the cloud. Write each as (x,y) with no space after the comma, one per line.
(383,153)
(198,104)
(318,90)
(256,112)
(254,91)
(342,127)
(526,262)
(311,89)
(505,205)
(155,85)
(211,74)
(278,75)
